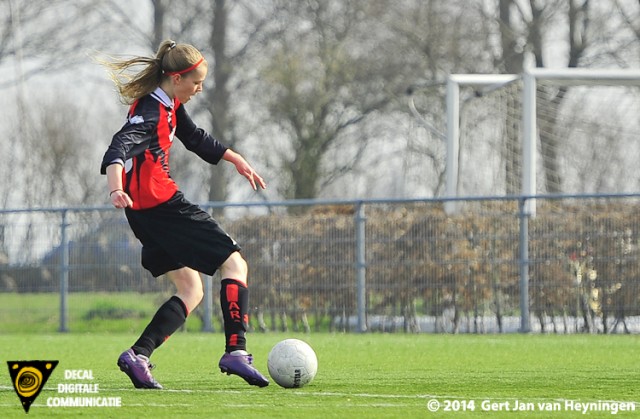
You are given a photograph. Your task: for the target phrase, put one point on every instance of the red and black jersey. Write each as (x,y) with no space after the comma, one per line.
(142,146)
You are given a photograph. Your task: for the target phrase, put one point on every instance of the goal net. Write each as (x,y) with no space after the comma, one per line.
(570,131)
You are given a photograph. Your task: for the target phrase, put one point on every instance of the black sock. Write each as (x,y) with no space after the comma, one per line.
(234,300)
(169,317)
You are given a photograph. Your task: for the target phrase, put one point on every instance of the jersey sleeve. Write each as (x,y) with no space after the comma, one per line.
(196,139)
(133,138)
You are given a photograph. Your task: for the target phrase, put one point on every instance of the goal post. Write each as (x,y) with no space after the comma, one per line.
(453,123)
(564,77)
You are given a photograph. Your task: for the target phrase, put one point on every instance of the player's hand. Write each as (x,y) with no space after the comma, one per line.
(254,178)
(120,199)
(245,169)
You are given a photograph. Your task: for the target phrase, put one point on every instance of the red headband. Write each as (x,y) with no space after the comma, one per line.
(186,70)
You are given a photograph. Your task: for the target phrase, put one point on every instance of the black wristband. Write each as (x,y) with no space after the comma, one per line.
(115,190)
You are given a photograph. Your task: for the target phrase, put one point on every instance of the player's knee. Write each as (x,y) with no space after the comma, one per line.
(189,287)
(197,293)
(192,296)
(235,267)
(237,262)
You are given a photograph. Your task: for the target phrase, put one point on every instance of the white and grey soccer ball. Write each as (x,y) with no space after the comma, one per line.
(292,363)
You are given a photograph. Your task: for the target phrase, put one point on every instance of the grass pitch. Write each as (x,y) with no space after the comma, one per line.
(359,376)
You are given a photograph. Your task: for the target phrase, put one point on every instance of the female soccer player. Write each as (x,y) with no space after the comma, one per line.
(178,238)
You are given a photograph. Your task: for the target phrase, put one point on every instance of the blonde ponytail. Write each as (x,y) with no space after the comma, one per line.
(170,59)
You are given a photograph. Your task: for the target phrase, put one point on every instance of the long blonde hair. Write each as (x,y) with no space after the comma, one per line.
(171,58)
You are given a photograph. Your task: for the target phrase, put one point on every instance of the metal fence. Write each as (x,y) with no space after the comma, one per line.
(366,265)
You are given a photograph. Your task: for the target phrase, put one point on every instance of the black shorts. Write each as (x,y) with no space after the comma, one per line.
(178,233)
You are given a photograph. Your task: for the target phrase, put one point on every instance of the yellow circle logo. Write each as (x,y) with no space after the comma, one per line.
(27,382)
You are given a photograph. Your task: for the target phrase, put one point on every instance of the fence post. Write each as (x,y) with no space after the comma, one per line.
(207,325)
(64,273)
(361,267)
(525,324)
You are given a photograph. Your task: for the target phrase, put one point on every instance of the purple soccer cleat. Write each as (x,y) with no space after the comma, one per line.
(240,363)
(137,367)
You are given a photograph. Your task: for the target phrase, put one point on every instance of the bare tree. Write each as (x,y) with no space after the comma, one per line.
(52,38)
(231,65)
(629,12)
(325,75)
(433,40)
(522,27)
(54,35)
(58,165)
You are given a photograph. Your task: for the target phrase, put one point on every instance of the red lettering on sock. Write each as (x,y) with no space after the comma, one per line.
(235,315)
(233,340)
(232,293)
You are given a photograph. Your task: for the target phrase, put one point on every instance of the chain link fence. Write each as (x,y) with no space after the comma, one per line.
(346,266)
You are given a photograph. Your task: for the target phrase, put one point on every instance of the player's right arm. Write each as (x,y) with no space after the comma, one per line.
(132,139)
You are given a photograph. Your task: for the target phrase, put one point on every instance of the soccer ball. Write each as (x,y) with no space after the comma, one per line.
(292,363)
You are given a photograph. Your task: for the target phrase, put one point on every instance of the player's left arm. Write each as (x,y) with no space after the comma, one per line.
(211,150)
(196,139)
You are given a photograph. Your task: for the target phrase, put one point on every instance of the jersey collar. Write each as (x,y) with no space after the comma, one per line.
(162,97)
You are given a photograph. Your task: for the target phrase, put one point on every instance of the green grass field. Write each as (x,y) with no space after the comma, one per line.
(359,376)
